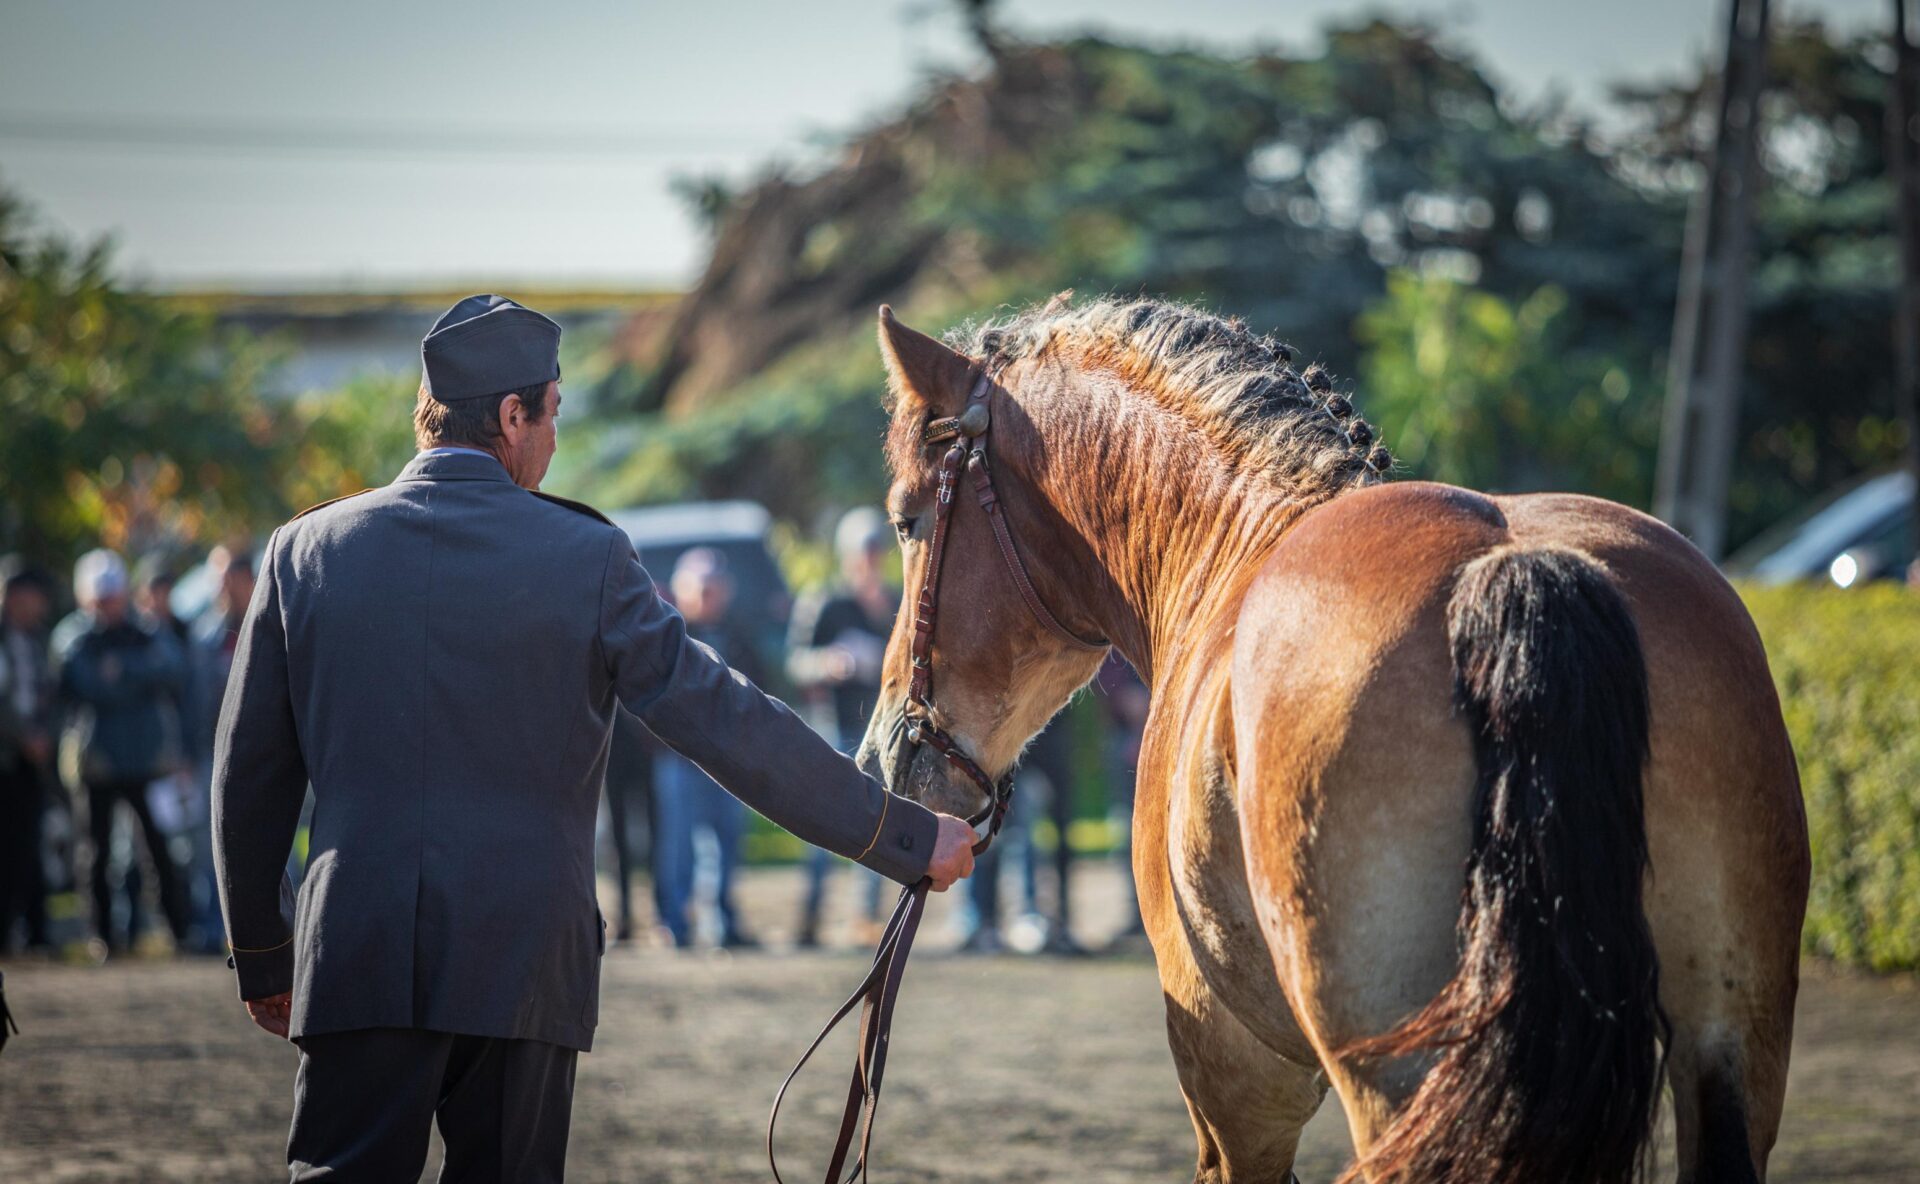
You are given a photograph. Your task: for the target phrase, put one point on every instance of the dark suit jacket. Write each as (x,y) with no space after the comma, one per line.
(442,658)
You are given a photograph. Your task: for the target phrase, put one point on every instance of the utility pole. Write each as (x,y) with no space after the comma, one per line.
(1903,163)
(1704,372)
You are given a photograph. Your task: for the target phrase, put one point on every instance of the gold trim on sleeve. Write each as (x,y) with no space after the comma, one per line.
(877,827)
(268,950)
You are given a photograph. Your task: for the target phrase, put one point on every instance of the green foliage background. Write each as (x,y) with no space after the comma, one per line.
(1493,281)
(120,421)
(1844,662)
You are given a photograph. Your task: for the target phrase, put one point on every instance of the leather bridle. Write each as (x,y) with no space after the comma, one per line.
(968,431)
(878,991)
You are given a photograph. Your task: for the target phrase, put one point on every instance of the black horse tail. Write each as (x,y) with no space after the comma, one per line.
(1545,1046)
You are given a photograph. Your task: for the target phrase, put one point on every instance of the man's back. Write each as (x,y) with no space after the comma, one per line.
(442,659)
(452,710)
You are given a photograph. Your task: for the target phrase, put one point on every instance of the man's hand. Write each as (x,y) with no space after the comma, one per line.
(952,852)
(272,1013)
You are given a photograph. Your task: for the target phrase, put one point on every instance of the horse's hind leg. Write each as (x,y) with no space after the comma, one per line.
(1712,1115)
(1725,902)
(1731,1005)
(1247,1104)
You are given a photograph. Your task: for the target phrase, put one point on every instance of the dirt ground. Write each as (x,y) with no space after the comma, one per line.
(1004,1068)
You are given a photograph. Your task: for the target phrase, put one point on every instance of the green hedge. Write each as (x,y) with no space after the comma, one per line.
(1847,664)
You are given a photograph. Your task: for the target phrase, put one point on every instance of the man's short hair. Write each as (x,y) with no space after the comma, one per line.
(470,423)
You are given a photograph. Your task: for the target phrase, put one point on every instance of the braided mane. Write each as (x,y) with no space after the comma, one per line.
(1236,386)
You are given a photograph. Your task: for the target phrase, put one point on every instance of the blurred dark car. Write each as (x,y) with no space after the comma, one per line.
(1861,533)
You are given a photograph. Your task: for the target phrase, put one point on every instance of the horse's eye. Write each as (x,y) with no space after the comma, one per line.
(905,526)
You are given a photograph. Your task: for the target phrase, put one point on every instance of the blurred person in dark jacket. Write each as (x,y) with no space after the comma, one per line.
(212,641)
(834,650)
(154,578)
(685,800)
(123,680)
(26,749)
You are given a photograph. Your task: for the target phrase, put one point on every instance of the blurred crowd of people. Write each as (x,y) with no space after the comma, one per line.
(107,721)
(106,748)
(831,666)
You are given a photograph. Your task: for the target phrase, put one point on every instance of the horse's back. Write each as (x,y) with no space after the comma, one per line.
(1357,773)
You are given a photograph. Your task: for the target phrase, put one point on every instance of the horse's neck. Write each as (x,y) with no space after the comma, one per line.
(1173,526)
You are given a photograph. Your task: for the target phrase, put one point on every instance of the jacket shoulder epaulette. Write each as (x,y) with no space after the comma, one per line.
(323,505)
(569,503)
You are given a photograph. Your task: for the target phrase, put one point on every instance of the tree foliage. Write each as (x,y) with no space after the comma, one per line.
(1282,189)
(127,423)
(121,422)
(1819,402)
(1495,395)
(1288,189)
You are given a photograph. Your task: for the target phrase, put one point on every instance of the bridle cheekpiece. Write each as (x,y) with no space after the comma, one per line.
(968,431)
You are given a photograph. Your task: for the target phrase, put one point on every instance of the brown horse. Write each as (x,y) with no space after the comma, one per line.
(1479,809)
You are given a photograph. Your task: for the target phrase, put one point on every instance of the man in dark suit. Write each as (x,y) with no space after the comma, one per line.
(442,658)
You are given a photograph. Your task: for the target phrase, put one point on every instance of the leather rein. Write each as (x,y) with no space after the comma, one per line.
(878,991)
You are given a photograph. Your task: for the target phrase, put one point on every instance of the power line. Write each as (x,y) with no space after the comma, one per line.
(383,137)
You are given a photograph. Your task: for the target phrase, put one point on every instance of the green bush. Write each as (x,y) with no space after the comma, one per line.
(1848,668)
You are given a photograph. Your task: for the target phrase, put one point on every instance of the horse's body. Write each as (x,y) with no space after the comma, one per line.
(1359,690)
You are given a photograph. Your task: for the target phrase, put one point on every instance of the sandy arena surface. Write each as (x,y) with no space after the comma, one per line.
(1004,1068)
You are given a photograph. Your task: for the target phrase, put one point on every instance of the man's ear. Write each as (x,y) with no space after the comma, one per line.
(513,416)
(921,372)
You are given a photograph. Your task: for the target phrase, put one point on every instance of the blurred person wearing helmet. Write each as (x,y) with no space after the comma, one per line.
(123,679)
(834,651)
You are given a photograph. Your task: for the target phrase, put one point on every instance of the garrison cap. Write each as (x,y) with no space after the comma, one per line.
(488,344)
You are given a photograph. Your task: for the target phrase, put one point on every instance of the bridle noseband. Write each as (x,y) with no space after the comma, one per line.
(968,431)
(877,992)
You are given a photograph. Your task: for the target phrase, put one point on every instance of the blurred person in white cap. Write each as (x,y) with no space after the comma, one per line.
(834,649)
(121,679)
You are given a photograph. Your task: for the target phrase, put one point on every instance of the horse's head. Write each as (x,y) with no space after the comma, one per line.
(997,666)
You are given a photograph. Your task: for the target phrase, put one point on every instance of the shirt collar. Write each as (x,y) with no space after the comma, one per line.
(455,464)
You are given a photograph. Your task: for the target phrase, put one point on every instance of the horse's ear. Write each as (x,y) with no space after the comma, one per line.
(921,370)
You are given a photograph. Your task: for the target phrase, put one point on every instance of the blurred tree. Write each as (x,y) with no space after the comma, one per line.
(1820,402)
(121,422)
(346,440)
(1286,189)
(1280,189)
(1481,392)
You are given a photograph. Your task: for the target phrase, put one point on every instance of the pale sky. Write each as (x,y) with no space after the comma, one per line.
(358,144)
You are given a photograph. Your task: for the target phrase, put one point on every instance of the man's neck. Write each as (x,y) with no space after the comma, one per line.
(467,449)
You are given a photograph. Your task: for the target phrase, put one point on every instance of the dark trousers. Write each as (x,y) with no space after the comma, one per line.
(23,886)
(365,1102)
(102,797)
